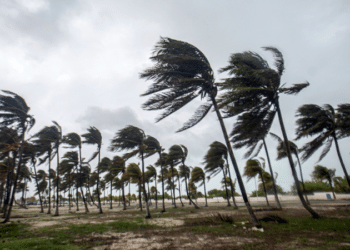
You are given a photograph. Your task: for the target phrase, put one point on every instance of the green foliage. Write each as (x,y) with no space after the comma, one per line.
(316,186)
(220,193)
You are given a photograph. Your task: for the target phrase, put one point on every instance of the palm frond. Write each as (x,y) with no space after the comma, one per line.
(200,113)
(295,89)
(279,62)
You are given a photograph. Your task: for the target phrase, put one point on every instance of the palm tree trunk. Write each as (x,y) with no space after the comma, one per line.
(155,179)
(58,178)
(302,180)
(76,196)
(253,218)
(263,182)
(37,187)
(49,209)
(273,178)
(161,170)
(69,181)
(330,183)
(123,195)
(205,194)
(172,177)
(228,199)
(188,196)
(110,205)
(81,182)
(98,181)
(140,201)
(232,189)
(8,214)
(148,214)
(300,194)
(341,159)
(178,178)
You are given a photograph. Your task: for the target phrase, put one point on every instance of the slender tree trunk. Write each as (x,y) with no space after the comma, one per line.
(302,179)
(8,214)
(172,177)
(273,178)
(81,182)
(98,181)
(232,189)
(178,178)
(341,159)
(110,205)
(148,214)
(155,179)
(58,180)
(188,195)
(205,193)
(161,170)
(37,187)
(330,184)
(253,218)
(227,195)
(77,196)
(263,182)
(140,200)
(49,200)
(300,194)
(123,196)
(130,193)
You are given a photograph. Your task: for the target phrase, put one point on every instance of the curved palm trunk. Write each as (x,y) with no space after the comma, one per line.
(178,179)
(205,193)
(253,218)
(188,196)
(140,201)
(8,214)
(341,159)
(263,182)
(98,181)
(155,179)
(148,214)
(37,187)
(300,194)
(81,182)
(172,177)
(302,180)
(232,189)
(8,183)
(161,170)
(57,181)
(273,178)
(228,200)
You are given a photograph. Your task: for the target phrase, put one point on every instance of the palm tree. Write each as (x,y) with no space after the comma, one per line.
(42,182)
(327,124)
(151,174)
(214,162)
(185,173)
(134,173)
(182,73)
(68,164)
(118,167)
(321,173)
(14,112)
(94,137)
(250,131)
(162,162)
(132,138)
(73,140)
(282,153)
(198,175)
(252,169)
(254,88)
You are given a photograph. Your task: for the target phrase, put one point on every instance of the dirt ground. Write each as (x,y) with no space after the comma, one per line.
(177,227)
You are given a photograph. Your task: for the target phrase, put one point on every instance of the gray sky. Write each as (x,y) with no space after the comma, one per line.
(78,63)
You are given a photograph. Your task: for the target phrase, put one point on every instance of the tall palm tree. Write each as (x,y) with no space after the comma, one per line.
(253,87)
(68,164)
(214,162)
(94,137)
(250,131)
(14,112)
(132,138)
(42,182)
(321,173)
(182,73)
(162,162)
(151,175)
(198,175)
(73,140)
(327,124)
(134,173)
(185,173)
(253,168)
(118,168)
(282,153)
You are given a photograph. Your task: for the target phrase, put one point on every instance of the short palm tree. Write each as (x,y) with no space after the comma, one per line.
(182,73)
(132,138)
(151,175)
(162,162)
(134,173)
(253,168)
(14,112)
(73,140)
(253,87)
(118,168)
(321,173)
(94,137)
(282,153)
(68,164)
(327,124)
(185,174)
(198,175)
(174,158)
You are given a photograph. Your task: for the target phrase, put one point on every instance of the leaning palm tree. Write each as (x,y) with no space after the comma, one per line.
(182,73)
(321,173)
(185,173)
(253,168)
(73,140)
(214,162)
(132,138)
(282,153)
(94,137)
(14,112)
(327,124)
(198,175)
(253,87)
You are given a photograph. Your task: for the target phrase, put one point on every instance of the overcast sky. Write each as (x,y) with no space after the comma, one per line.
(78,63)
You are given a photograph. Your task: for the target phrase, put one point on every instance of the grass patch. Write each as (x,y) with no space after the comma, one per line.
(35,243)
